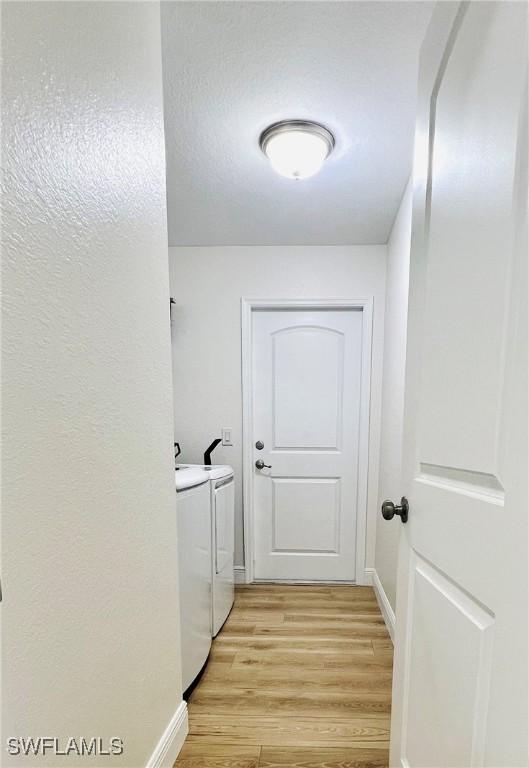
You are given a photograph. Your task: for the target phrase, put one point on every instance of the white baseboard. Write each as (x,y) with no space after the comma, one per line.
(171,741)
(387,611)
(239,572)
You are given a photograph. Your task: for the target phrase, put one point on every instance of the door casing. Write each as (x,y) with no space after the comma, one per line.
(250,305)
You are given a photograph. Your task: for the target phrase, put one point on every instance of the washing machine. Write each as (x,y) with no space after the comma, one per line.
(193,512)
(222,511)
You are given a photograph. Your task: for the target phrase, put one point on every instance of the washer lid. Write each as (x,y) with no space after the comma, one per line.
(215,471)
(189,477)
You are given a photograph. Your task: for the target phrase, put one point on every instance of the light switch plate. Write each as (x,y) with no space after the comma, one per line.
(226,436)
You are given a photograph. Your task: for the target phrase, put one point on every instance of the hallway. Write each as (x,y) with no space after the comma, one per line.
(299,676)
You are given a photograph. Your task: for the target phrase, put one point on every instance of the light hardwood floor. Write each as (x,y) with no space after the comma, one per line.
(299,676)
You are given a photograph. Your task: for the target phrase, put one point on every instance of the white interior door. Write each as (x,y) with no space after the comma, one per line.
(307,369)
(460,686)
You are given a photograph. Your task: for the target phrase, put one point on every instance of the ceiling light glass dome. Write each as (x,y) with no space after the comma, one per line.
(297,149)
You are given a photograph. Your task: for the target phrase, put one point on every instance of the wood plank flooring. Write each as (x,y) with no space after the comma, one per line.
(299,676)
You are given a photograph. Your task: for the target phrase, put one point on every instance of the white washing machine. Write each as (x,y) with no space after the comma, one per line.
(222,507)
(193,502)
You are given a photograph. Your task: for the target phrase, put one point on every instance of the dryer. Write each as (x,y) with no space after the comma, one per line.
(222,490)
(222,511)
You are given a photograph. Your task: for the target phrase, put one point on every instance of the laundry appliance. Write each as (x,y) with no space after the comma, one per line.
(222,511)
(193,502)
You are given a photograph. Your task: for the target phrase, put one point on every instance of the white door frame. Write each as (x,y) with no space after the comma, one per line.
(248,306)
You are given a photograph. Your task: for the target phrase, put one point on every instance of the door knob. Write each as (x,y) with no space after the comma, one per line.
(261,465)
(389,510)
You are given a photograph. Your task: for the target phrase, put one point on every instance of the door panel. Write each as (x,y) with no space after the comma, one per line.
(306,514)
(306,372)
(453,629)
(460,684)
(309,361)
(469,244)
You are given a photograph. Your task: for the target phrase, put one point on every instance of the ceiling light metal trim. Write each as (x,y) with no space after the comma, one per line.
(305,126)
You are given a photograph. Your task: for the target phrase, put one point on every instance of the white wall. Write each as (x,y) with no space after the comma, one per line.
(395,325)
(207,284)
(89,572)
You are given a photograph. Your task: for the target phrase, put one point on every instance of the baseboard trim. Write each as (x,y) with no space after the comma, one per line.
(171,741)
(387,611)
(239,572)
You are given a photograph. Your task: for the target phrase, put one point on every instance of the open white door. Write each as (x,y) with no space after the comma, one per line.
(460,687)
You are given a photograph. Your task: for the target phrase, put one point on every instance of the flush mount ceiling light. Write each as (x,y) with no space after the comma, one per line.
(297,149)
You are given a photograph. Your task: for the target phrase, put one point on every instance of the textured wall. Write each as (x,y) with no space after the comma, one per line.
(207,284)
(89,572)
(395,326)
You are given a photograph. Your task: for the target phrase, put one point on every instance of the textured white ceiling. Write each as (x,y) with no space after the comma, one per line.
(232,68)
